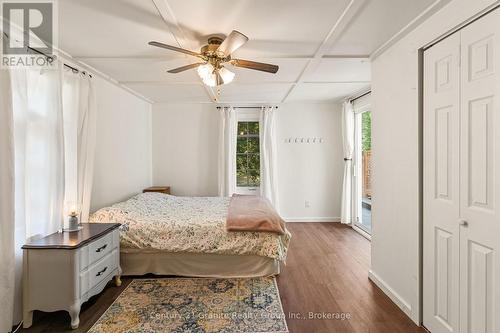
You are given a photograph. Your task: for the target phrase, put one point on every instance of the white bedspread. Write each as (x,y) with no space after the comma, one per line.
(187,224)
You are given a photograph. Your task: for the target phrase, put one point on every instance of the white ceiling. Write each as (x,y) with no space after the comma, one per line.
(321,46)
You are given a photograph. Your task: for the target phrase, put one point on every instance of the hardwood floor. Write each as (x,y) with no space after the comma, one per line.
(326,274)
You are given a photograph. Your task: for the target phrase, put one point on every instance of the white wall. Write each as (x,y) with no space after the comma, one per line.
(185,143)
(395,238)
(310,172)
(122,165)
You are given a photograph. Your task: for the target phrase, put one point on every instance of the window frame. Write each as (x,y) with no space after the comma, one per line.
(248,116)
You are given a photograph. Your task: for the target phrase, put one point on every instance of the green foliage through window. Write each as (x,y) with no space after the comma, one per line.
(248,154)
(366,128)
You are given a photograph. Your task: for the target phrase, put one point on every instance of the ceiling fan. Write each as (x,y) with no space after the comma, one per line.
(214,55)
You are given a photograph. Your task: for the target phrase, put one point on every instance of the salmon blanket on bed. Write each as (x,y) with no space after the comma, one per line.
(253,213)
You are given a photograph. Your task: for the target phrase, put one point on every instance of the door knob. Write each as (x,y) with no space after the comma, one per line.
(463,223)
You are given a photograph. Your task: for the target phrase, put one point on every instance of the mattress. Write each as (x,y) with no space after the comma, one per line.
(157,221)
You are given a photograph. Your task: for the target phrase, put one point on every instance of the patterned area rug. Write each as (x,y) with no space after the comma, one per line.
(197,306)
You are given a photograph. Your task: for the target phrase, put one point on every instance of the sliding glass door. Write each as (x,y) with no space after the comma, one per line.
(363,170)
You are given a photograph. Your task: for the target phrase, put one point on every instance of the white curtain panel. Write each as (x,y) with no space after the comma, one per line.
(348,143)
(7,223)
(87,132)
(227,151)
(268,164)
(71,101)
(39,161)
(80,114)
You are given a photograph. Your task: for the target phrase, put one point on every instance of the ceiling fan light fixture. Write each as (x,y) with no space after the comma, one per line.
(208,75)
(205,71)
(227,75)
(214,55)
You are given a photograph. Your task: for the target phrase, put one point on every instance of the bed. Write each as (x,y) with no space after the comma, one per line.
(186,236)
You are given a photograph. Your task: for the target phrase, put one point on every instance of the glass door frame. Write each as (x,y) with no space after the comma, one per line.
(357,192)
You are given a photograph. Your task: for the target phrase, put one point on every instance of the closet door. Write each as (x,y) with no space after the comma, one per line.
(480,177)
(441,185)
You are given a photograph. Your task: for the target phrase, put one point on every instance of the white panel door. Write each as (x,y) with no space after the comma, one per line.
(480,177)
(441,185)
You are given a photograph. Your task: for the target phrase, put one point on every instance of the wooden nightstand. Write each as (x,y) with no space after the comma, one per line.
(63,270)
(159,189)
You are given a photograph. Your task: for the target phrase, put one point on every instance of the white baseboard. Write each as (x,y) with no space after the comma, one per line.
(362,232)
(311,219)
(398,300)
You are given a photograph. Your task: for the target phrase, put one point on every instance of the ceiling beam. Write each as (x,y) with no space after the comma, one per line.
(429,11)
(84,66)
(347,56)
(256,102)
(166,83)
(335,32)
(141,58)
(166,13)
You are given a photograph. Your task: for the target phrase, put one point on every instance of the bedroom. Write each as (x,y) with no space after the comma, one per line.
(294,177)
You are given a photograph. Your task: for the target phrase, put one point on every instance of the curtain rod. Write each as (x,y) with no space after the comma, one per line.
(246,107)
(73,69)
(359,96)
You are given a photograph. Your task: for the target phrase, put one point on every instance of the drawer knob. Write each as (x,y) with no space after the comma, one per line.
(101,248)
(102,271)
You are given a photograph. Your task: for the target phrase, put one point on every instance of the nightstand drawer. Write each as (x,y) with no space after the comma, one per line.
(88,254)
(98,271)
(100,248)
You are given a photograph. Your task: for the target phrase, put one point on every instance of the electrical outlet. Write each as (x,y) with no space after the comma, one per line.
(307,204)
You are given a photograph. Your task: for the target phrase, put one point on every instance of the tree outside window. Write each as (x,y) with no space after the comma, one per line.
(248,154)
(366,128)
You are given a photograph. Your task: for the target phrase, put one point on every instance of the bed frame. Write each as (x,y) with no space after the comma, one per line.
(140,262)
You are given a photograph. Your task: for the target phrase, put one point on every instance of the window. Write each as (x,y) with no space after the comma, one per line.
(248,156)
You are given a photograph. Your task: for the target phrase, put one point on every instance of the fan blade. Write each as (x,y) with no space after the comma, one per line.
(185,68)
(258,66)
(232,42)
(177,49)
